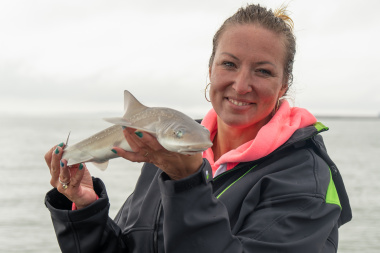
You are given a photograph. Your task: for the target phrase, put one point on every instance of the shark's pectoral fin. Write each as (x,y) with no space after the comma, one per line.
(101,166)
(118,121)
(124,122)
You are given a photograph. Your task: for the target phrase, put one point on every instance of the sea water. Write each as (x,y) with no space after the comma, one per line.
(25,223)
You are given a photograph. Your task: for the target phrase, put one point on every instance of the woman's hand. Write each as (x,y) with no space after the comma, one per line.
(74,182)
(146,148)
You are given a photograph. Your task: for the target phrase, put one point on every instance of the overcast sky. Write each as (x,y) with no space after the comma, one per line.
(78,56)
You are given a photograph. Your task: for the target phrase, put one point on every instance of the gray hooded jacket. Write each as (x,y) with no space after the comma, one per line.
(292,200)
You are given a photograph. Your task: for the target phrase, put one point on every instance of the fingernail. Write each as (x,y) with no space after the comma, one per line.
(80,166)
(56,151)
(114,151)
(139,134)
(60,144)
(62,164)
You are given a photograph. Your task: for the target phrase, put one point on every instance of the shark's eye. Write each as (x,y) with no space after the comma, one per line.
(178,134)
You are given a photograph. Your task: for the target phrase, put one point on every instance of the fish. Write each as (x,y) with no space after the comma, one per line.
(174,130)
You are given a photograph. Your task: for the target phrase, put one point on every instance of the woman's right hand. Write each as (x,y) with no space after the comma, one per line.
(79,188)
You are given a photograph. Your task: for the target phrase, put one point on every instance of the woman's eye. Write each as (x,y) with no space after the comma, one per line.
(229,64)
(265,72)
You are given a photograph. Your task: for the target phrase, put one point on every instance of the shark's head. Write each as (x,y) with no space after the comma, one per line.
(189,138)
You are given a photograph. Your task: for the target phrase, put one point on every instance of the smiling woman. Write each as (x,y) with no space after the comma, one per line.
(247,77)
(266,185)
(250,71)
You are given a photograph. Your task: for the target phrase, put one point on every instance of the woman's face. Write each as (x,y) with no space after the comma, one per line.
(247,75)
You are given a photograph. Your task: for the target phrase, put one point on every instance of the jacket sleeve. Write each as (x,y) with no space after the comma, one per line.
(86,230)
(286,221)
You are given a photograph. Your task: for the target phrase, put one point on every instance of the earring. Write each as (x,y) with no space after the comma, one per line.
(277,105)
(275,109)
(208,100)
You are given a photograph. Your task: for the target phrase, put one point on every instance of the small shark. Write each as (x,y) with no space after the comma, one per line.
(174,130)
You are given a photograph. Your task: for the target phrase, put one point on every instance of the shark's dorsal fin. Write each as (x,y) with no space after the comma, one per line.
(131,105)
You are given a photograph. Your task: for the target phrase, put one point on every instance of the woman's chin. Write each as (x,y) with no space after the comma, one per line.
(244,120)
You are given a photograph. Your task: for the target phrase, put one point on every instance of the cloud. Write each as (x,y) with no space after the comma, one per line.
(78,56)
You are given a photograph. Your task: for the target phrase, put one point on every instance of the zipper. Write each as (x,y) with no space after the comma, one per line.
(239,166)
(220,194)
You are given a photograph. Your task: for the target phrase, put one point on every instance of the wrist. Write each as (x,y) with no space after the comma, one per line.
(191,164)
(80,204)
(202,177)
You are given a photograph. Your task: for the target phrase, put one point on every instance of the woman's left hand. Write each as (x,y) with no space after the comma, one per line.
(147,149)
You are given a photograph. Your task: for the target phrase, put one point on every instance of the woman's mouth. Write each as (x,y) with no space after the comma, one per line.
(238,103)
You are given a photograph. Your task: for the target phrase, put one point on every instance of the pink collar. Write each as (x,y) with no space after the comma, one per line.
(275,133)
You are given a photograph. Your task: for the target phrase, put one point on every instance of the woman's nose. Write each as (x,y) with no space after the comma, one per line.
(243,82)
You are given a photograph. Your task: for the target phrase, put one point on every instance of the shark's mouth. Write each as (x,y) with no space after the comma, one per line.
(192,149)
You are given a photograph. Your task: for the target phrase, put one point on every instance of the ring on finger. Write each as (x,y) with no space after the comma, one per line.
(64,185)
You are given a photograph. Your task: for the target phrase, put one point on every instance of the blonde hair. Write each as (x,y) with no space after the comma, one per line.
(278,22)
(282,13)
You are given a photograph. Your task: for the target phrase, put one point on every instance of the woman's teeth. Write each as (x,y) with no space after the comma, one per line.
(237,102)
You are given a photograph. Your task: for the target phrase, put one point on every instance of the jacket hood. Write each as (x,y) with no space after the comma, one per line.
(271,136)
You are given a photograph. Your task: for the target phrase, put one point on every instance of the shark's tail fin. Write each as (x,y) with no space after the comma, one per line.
(67,140)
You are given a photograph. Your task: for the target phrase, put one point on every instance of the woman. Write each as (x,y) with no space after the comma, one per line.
(266,185)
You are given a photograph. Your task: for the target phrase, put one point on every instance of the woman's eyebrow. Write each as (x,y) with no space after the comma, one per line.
(265,62)
(229,54)
(257,63)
